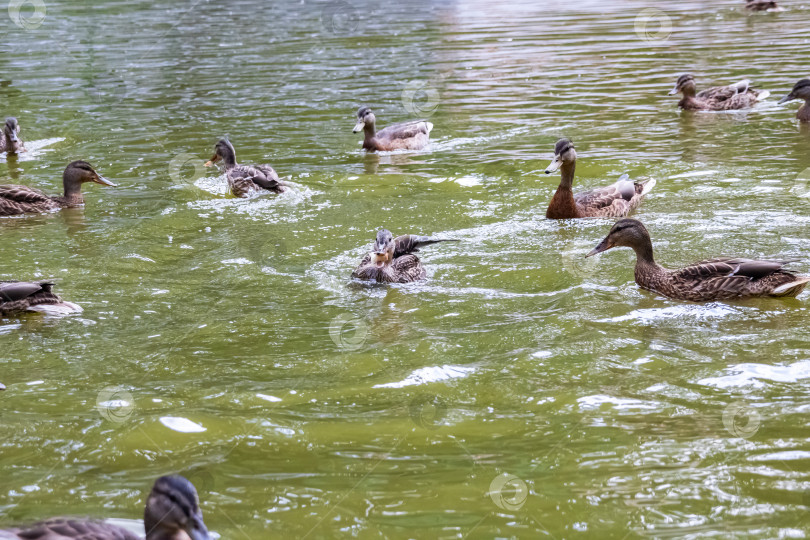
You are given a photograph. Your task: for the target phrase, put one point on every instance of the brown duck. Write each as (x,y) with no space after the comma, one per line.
(172,513)
(245,179)
(413,135)
(715,279)
(801,90)
(615,200)
(762,5)
(22,296)
(16,200)
(392,260)
(10,141)
(719,98)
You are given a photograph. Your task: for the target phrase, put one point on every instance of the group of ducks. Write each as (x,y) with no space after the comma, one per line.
(394,260)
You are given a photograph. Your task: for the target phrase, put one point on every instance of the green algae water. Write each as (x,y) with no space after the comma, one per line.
(521,391)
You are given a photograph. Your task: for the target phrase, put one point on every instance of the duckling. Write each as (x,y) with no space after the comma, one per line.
(762,5)
(16,200)
(245,179)
(722,278)
(22,296)
(413,135)
(801,90)
(172,513)
(719,98)
(10,141)
(392,260)
(615,200)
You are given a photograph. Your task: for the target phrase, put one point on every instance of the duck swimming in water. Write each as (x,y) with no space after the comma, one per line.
(762,5)
(615,200)
(22,296)
(722,278)
(719,98)
(15,200)
(392,260)
(801,90)
(414,135)
(172,513)
(10,140)
(245,179)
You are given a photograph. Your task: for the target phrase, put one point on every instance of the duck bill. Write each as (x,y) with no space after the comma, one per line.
(673,91)
(14,137)
(103,181)
(787,98)
(359,126)
(555,165)
(379,258)
(604,245)
(200,532)
(213,160)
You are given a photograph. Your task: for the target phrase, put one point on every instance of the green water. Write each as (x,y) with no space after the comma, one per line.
(223,339)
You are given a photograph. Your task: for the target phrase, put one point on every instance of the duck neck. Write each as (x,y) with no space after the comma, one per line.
(563,205)
(73,193)
(229,159)
(369,130)
(803,113)
(647,270)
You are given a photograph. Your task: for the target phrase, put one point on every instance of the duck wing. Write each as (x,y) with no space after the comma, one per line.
(405,130)
(23,199)
(411,243)
(246,178)
(408,268)
(73,529)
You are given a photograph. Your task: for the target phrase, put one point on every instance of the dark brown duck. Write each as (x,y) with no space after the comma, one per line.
(245,179)
(172,513)
(37,296)
(414,135)
(801,90)
(615,200)
(392,260)
(723,278)
(15,200)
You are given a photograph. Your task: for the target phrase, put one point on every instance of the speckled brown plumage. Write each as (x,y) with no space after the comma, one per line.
(15,200)
(801,90)
(392,260)
(719,98)
(245,179)
(172,513)
(22,296)
(722,278)
(615,200)
(413,135)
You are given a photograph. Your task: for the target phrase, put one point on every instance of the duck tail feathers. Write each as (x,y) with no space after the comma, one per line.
(791,289)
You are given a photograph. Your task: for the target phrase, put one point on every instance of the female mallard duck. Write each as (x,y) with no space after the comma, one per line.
(615,200)
(414,135)
(245,179)
(16,200)
(172,513)
(762,5)
(719,98)
(392,260)
(10,141)
(716,279)
(800,91)
(22,296)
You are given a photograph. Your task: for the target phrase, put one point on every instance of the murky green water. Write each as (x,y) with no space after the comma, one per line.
(330,409)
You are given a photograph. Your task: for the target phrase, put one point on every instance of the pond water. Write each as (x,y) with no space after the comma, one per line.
(522,390)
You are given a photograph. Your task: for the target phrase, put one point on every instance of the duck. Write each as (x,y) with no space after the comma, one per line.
(722,278)
(719,98)
(245,179)
(413,135)
(38,296)
(172,513)
(10,141)
(762,5)
(615,200)
(392,260)
(801,90)
(15,200)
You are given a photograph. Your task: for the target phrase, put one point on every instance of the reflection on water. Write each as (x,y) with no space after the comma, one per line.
(522,390)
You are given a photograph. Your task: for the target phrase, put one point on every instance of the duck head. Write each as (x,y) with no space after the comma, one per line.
(173,509)
(564,154)
(11,131)
(684,84)
(624,233)
(79,172)
(801,90)
(364,118)
(382,254)
(223,151)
